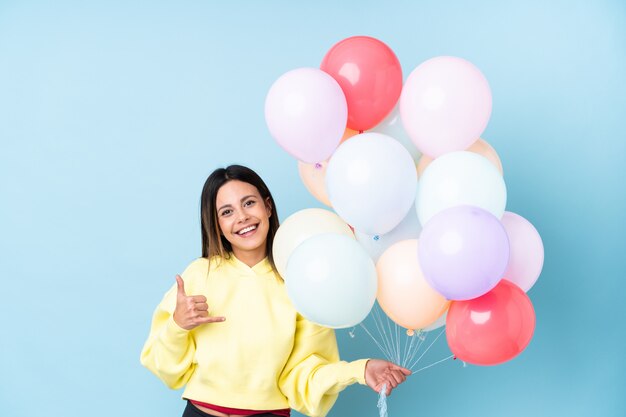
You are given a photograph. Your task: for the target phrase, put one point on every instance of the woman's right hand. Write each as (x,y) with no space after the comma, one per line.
(191,310)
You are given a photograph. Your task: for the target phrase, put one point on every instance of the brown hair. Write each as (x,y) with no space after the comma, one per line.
(213,242)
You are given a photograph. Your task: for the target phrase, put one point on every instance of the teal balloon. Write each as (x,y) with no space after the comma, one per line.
(331,281)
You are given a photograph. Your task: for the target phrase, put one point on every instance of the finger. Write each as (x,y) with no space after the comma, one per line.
(198,298)
(204,320)
(181,286)
(401,369)
(201,307)
(391,382)
(202,314)
(398,377)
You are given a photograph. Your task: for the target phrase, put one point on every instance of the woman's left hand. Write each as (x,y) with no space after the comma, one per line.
(379,372)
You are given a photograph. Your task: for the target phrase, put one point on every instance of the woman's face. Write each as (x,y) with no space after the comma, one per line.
(243,217)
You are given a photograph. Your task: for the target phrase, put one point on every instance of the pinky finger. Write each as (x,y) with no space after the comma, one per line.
(203,320)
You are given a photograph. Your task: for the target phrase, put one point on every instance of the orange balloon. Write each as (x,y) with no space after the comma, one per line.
(314,175)
(403,293)
(481,147)
(348,134)
(314,178)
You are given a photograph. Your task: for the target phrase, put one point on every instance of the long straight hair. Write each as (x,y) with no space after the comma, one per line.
(213,242)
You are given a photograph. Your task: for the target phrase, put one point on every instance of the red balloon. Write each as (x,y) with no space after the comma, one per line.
(492,328)
(370,76)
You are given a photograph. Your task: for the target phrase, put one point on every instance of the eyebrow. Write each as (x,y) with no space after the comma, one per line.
(242,199)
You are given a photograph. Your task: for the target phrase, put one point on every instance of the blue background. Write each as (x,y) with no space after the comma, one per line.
(113,113)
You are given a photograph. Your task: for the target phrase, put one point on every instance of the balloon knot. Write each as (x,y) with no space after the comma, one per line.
(318,165)
(360,131)
(376,237)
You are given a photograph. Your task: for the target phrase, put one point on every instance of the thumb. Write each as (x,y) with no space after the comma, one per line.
(181,286)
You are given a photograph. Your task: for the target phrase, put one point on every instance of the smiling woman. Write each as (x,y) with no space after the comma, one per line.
(227,330)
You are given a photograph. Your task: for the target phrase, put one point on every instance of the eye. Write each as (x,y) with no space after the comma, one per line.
(226,212)
(249,203)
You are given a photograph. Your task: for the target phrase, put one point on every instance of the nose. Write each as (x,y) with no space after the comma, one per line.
(243,216)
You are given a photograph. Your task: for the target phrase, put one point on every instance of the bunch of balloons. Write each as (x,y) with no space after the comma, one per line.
(434,251)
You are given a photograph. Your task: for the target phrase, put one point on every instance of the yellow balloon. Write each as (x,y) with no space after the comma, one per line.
(403,293)
(481,147)
(300,226)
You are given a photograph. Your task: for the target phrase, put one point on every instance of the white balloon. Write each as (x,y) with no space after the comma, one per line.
(331,281)
(441,321)
(409,228)
(460,178)
(392,126)
(371,181)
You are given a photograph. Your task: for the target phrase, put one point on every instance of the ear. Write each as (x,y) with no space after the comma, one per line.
(268,207)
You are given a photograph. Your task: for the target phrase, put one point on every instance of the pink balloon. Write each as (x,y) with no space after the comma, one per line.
(306,113)
(526,258)
(445,105)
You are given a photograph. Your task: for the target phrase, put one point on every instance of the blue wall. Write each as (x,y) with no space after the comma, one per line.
(113,113)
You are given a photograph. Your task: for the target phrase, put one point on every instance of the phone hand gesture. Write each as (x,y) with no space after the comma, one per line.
(191,310)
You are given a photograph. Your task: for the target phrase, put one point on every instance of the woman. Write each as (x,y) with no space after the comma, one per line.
(227,330)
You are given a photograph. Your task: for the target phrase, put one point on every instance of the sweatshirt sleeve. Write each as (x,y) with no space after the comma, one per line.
(169,351)
(314,375)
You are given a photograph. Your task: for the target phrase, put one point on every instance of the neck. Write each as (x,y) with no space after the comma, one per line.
(250,258)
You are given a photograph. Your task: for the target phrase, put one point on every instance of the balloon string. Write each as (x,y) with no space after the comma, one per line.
(427,349)
(382,401)
(381,329)
(413,348)
(382,349)
(432,364)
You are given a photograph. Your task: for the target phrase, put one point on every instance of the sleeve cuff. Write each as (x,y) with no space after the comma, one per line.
(353,372)
(173,331)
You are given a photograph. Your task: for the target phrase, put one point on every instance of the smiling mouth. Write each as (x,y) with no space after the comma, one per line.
(247,230)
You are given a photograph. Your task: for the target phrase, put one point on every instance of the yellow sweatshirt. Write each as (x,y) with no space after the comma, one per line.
(265,356)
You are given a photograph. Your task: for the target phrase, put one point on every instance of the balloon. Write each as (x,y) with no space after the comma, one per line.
(314,175)
(348,134)
(403,293)
(460,178)
(331,281)
(299,227)
(371,182)
(445,105)
(493,328)
(463,252)
(409,228)
(369,74)
(392,126)
(440,322)
(306,113)
(526,260)
(480,147)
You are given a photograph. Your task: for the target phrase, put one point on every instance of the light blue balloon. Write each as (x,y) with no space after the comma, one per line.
(371,181)
(331,281)
(376,245)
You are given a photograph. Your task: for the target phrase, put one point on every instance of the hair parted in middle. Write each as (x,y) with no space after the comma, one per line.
(213,242)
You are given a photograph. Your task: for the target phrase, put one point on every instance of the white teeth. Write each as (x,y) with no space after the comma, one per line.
(246,230)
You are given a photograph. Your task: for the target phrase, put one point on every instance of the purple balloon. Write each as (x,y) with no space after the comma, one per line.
(463,252)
